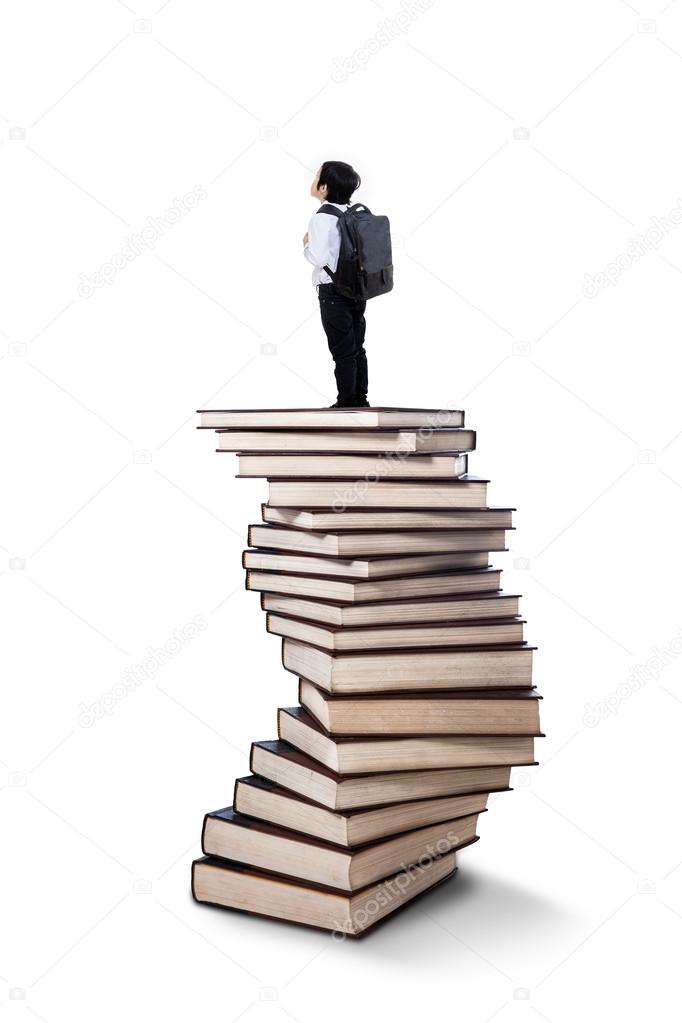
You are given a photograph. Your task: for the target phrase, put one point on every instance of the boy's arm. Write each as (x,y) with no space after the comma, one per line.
(317,251)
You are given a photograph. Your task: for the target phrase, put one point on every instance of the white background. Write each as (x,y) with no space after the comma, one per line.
(120,525)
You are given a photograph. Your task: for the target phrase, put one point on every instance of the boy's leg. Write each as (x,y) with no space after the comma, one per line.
(360,355)
(337,320)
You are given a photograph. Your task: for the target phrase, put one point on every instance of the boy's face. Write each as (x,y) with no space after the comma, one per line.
(315,190)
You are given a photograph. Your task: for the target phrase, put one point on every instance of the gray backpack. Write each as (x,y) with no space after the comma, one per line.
(365,267)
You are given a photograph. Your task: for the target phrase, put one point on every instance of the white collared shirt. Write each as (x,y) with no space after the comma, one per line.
(324,242)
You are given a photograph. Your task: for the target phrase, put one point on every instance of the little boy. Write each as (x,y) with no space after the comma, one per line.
(343,319)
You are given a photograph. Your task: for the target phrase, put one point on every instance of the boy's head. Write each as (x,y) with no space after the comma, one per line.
(335,182)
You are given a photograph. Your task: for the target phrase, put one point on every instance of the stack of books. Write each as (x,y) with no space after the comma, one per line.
(415,695)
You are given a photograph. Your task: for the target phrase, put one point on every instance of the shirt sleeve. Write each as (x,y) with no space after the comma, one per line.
(317,251)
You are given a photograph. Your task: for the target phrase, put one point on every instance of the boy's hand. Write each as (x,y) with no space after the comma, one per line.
(305,238)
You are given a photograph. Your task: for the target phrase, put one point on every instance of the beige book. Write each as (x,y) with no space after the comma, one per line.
(394,612)
(397,637)
(376,441)
(236,886)
(356,591)
(353,467)
(386,518)
(327,419)
(375,543)
(293,770)
(396,671)
(260,798)
(362,568)
(342,495)
(485,712)
(365,755)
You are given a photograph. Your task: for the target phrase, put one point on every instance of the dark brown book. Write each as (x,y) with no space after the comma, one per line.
(352,591)
(463,712)
(485,632)
(376,671)
(232,836)
(231,885)
(260,798)
(422,610)
(291,769)
(368,755)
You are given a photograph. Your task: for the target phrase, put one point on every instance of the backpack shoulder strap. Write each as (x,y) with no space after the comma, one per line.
(326,208)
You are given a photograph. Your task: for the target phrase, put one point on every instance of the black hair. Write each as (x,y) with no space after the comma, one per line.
(341,180)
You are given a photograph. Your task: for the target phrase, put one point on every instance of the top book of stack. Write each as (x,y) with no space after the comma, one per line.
(389,418)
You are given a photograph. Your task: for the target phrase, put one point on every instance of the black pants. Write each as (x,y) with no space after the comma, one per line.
(343,320)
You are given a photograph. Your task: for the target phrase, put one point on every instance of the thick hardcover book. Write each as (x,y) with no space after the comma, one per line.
(362,568)
(291,769)
(304,465)
(349,591)
(232,836)
(260,798)
(418,670)
(406,635)
(350,519)
(403,442)
(231,885)
(368,755)
(461,712)
(375,543)
(345,494)
(385,613)
(378,417)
